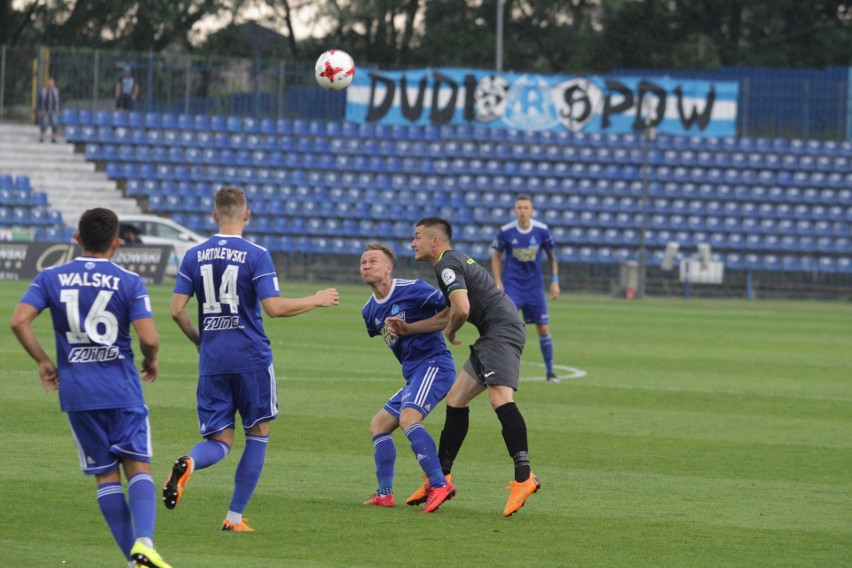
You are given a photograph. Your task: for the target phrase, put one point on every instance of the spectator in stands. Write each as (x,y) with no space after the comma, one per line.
(126,90)
(48,108)
(523,241)
(130,236)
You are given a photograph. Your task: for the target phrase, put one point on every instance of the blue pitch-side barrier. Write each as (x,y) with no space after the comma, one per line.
(592,104)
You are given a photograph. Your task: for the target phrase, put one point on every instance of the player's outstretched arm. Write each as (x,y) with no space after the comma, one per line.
(22,327)
(436,323)
(278,307)
(149,344)
(182,319)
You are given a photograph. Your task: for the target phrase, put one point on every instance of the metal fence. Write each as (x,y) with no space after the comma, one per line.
(782,103)
(176,83)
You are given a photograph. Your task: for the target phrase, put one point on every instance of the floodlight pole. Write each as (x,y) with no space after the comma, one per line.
(498,64)
(648,135)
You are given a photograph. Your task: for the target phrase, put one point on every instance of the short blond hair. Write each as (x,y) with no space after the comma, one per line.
(385,249)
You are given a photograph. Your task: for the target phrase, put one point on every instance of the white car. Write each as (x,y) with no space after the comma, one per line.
(154,230)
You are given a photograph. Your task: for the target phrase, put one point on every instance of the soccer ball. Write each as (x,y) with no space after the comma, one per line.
(335,70)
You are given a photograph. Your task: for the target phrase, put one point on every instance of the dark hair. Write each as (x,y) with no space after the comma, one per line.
(230,201)
(385,249)
(443,225)
(523,197)
(98,229)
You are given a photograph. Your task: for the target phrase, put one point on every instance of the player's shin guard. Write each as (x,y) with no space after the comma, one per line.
(248,471)
(546,344)
(142,496)
(452,436)
(385,458)
(515,435)
(117,515)
(426,453)
(207,453)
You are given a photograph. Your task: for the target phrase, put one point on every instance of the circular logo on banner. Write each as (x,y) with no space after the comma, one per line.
(448,276)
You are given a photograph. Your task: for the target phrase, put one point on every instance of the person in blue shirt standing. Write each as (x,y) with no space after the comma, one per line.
(232,279)
(427,366)
(521,278)
(93,303)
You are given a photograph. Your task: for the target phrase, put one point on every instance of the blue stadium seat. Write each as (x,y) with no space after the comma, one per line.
(69,116)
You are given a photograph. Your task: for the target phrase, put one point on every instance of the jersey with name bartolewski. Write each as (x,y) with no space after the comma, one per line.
(229,277)
(489,306)
(92,302)
(410,300)
(522,269)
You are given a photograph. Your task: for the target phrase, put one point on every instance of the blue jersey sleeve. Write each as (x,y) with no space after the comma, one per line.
(36,294)
(140,302)
(367,314)
(547,240)
(434,297)
(265,278)
(499,243)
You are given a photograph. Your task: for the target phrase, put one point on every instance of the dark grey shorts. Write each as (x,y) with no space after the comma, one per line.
(495,358)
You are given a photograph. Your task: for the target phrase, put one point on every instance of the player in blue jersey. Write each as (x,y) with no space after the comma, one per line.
(93,303)
(232,279)
(523,241)
(495,357)
(427,366)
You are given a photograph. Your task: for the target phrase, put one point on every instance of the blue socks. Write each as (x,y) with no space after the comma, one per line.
(121,518)
(208,452)
(423,446)
(117,515)
(546,345)
(385,457)
(248,471)
(142,497)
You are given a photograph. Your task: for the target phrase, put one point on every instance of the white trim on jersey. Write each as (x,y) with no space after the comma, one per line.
(401,282)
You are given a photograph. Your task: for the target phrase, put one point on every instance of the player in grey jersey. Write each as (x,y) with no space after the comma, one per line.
(495,357)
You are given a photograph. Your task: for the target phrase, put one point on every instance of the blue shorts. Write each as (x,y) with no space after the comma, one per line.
(533,306)
(254,394)
(424,388)
(105,436)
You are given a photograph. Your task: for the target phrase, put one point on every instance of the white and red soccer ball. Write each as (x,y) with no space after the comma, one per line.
(335,69)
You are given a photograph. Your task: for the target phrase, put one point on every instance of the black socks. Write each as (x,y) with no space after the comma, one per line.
(515,435)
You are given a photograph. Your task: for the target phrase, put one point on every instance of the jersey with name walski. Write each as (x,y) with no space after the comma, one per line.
(92,302)
(410,300)
(489,306)
(522,268)
(229,277)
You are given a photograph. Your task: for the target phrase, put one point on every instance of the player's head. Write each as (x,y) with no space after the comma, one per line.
(377,263)
(98,230)
(231,205)
(432,235)
(523,208)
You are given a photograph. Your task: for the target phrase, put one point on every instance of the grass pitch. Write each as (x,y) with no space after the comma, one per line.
(703,433)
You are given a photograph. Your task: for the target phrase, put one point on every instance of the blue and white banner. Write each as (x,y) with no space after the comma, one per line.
(543,102)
